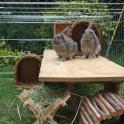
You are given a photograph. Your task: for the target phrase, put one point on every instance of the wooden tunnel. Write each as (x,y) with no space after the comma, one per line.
(77,30)
(27,70)
(102,106)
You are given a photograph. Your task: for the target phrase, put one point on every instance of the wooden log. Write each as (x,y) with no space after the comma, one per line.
(50,120)
(66,97)
(98,116)
(34,107)
(83,119)
(89,111)
(80,122)
(108,106)
(102,106)
(23,96)
(113,103)
(37,121)
(51,109)
(98,109)
(119,98)
(83,110)
(116,100)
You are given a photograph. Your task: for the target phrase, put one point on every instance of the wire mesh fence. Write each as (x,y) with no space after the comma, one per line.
(28,26)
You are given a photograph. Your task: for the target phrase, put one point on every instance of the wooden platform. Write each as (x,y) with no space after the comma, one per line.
(79,70)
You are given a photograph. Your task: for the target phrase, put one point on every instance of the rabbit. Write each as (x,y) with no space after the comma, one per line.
(90,45)
(64,46)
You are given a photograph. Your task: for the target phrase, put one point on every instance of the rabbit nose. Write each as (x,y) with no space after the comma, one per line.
(58,37)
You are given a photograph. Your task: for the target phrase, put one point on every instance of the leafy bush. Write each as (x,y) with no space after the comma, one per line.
(7,56)
(97,13)
(45,31)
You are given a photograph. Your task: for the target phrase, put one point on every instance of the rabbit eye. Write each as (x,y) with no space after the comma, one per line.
(58,37)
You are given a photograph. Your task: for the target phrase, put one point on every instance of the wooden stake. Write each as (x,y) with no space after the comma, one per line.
(86,115)
(108,106)
(98,116)
(98,109)
(114,104)
(102,106)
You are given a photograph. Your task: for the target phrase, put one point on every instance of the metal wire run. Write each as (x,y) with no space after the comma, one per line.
(56,3)
(28,26)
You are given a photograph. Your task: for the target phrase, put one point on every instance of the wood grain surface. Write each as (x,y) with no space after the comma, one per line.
(79,70)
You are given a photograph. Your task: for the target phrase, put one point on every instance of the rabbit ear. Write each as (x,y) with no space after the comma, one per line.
(62,36)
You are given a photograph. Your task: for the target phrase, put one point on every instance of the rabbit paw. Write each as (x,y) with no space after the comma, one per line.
(63,59)
(83,57)
(91,57)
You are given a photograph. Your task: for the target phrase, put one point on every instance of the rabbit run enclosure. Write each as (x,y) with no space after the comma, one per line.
(29,26)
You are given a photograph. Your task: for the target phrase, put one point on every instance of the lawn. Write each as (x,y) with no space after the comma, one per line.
(9,103)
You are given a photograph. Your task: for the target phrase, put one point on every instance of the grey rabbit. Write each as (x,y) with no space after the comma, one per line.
(64,46)
(90,45)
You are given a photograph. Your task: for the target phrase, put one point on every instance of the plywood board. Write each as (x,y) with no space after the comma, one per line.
(79,70)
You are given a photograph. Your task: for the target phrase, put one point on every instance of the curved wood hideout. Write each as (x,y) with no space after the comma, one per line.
(79,70)
(27,70)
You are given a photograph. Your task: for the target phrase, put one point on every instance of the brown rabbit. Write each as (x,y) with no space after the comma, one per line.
(64,46)
(90,45)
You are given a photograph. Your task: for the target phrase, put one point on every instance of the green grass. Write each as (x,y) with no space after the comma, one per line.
(8,105)
(6,71)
